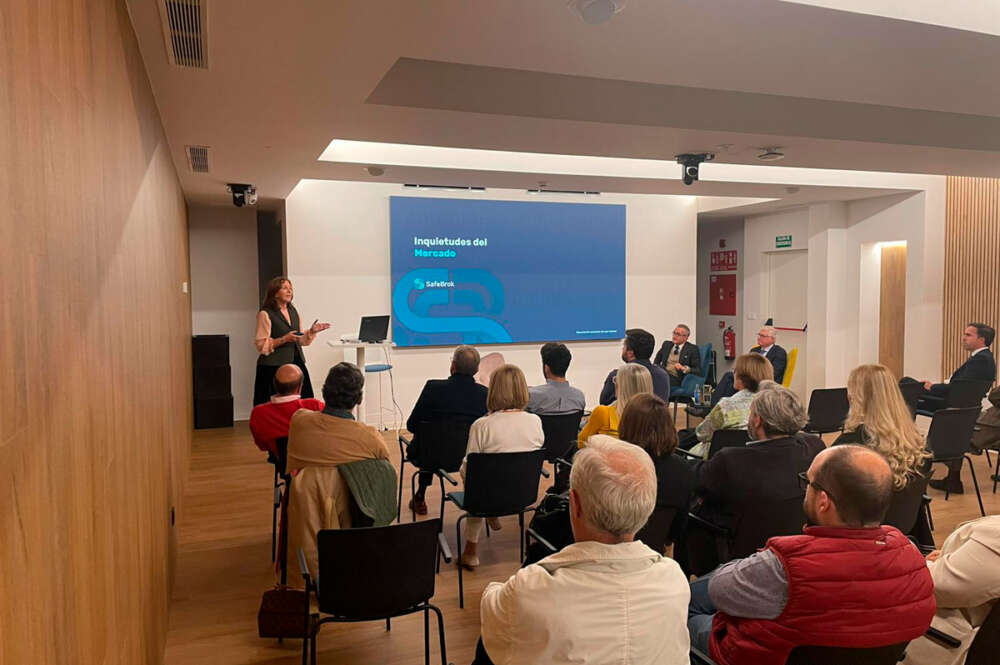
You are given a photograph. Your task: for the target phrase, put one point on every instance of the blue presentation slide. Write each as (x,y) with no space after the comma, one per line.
(491,272)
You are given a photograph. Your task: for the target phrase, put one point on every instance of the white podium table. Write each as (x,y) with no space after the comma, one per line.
(359,348)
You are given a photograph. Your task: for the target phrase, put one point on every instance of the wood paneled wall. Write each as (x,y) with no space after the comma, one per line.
(971,264)
(95,380)
(892,308)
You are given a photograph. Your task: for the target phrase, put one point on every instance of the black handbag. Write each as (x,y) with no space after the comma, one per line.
(284,612)
(551,522)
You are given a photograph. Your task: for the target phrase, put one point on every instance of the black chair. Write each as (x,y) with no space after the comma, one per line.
(827,410)
(811,655)
(906,503)
(279,460)
(911,391)
(985,645)
(496,485)
(560,431)
(656,533)
(961,394)
(443,444)
(374,573)
(950,440)
(721,438)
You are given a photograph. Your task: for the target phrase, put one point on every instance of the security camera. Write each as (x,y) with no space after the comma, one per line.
(242,194)
(690,161)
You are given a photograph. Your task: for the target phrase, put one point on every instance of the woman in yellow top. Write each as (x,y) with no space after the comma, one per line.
(630,380)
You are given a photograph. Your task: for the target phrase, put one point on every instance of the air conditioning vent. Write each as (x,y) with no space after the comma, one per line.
(197,156)
(185,32)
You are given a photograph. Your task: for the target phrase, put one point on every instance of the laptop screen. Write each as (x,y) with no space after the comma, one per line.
(374,328)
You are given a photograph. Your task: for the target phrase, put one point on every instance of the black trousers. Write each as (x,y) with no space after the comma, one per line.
(482,658)
(726,388)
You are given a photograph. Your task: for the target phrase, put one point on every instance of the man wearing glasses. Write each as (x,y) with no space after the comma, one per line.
(846,581)
(678,356)
(765,347)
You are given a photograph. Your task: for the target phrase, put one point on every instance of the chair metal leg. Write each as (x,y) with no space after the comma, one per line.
(427,637)
(444,549)
(276,501)
(305,650)
(458,560)
(975,484)
(399,502)
(388,624)
(312,654)
(440,618)
(520,524)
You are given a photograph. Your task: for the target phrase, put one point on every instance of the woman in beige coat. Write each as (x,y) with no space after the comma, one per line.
(966,572)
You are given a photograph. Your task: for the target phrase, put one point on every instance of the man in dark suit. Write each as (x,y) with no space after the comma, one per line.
(765,347)
(980,366)
(457,396)
(678,356)
(759,478)
(638,347)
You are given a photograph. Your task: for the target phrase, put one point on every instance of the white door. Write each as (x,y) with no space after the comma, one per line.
(787,278)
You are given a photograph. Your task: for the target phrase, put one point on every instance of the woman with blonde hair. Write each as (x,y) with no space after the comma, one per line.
(879,418)
(506,428)
(630,380)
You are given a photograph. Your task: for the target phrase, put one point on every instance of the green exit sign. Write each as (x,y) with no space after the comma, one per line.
(782,241)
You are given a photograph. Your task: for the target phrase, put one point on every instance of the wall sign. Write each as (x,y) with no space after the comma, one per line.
(722,295)
(724,261)
(782,241)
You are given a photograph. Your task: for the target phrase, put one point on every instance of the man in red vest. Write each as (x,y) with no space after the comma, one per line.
(269,422)
(845,582)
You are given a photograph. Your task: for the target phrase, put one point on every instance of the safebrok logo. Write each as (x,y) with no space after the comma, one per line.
(420,284)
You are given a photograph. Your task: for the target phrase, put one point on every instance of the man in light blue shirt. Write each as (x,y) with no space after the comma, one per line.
(555,396)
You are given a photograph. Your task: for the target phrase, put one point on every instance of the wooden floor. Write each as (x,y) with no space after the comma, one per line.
(224,565)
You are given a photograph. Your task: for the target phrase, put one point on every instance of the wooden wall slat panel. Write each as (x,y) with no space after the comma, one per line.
(972,263)
(95,373)
(892,308)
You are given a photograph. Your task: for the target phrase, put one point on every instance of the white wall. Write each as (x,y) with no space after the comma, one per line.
(224,299)
(710,232)
(337,243)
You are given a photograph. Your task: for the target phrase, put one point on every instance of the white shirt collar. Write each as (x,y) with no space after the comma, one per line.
(982,348)
(765,349)
(281,399)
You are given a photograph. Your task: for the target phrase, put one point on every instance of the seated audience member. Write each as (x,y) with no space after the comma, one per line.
(879,419)
(845,581)
(765,347)
(269,422)
(457,397)
(646,422)
(556,396)
(749,372)
(603,599)
(761,476)
(678,356)
(980,366)
(507,428)
(966,573)
(332,437)
(637,347)
(630,380)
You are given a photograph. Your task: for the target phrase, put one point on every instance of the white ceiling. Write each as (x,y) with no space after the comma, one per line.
(835,89)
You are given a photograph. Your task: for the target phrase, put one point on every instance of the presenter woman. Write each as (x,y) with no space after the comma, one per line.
(279,339)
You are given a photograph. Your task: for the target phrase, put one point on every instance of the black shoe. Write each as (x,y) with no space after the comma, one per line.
(949,487)
(418,505)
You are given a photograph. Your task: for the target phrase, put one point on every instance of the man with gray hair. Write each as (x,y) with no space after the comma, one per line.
(606,598)
(759,480)
(458,398)
(765,347)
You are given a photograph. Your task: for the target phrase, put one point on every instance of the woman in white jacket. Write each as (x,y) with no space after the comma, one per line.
(966,572)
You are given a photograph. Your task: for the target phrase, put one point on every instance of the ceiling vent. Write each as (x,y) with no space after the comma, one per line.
(197,156)
(185,31)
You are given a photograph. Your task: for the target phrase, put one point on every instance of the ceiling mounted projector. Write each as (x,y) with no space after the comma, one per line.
(770,155)
(596,11)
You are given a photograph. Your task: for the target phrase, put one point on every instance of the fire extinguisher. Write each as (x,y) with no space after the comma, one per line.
(729,343)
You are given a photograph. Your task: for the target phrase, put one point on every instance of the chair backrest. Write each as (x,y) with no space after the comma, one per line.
(375,572)
(560,433)
(501,483)
(656,533)
(705,352)
(950,433)
(444,442)
(986,644)
(827,409)
(281,459)
(727,438)
(967,393)
(907,502)
(885,655)
(793,357)
(911,390)
(760,520)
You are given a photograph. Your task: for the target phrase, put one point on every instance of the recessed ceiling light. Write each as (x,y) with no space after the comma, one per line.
(771,154)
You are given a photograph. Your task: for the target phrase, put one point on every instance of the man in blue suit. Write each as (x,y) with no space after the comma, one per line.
(765,347)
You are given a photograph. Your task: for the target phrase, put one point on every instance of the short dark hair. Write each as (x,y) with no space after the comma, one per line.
(557,357)
(646,422)
(343,386)
(986,332)
(466,360)
(640,342)
(862,498)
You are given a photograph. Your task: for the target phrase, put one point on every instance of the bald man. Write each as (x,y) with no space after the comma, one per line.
(269,422)
(846,581)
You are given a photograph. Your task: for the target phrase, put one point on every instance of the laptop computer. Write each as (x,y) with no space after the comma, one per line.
(374,329)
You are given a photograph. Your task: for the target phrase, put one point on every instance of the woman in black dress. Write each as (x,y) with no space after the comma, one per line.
(279,339)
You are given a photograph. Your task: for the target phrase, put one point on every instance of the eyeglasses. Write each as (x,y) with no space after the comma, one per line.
(804,483)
